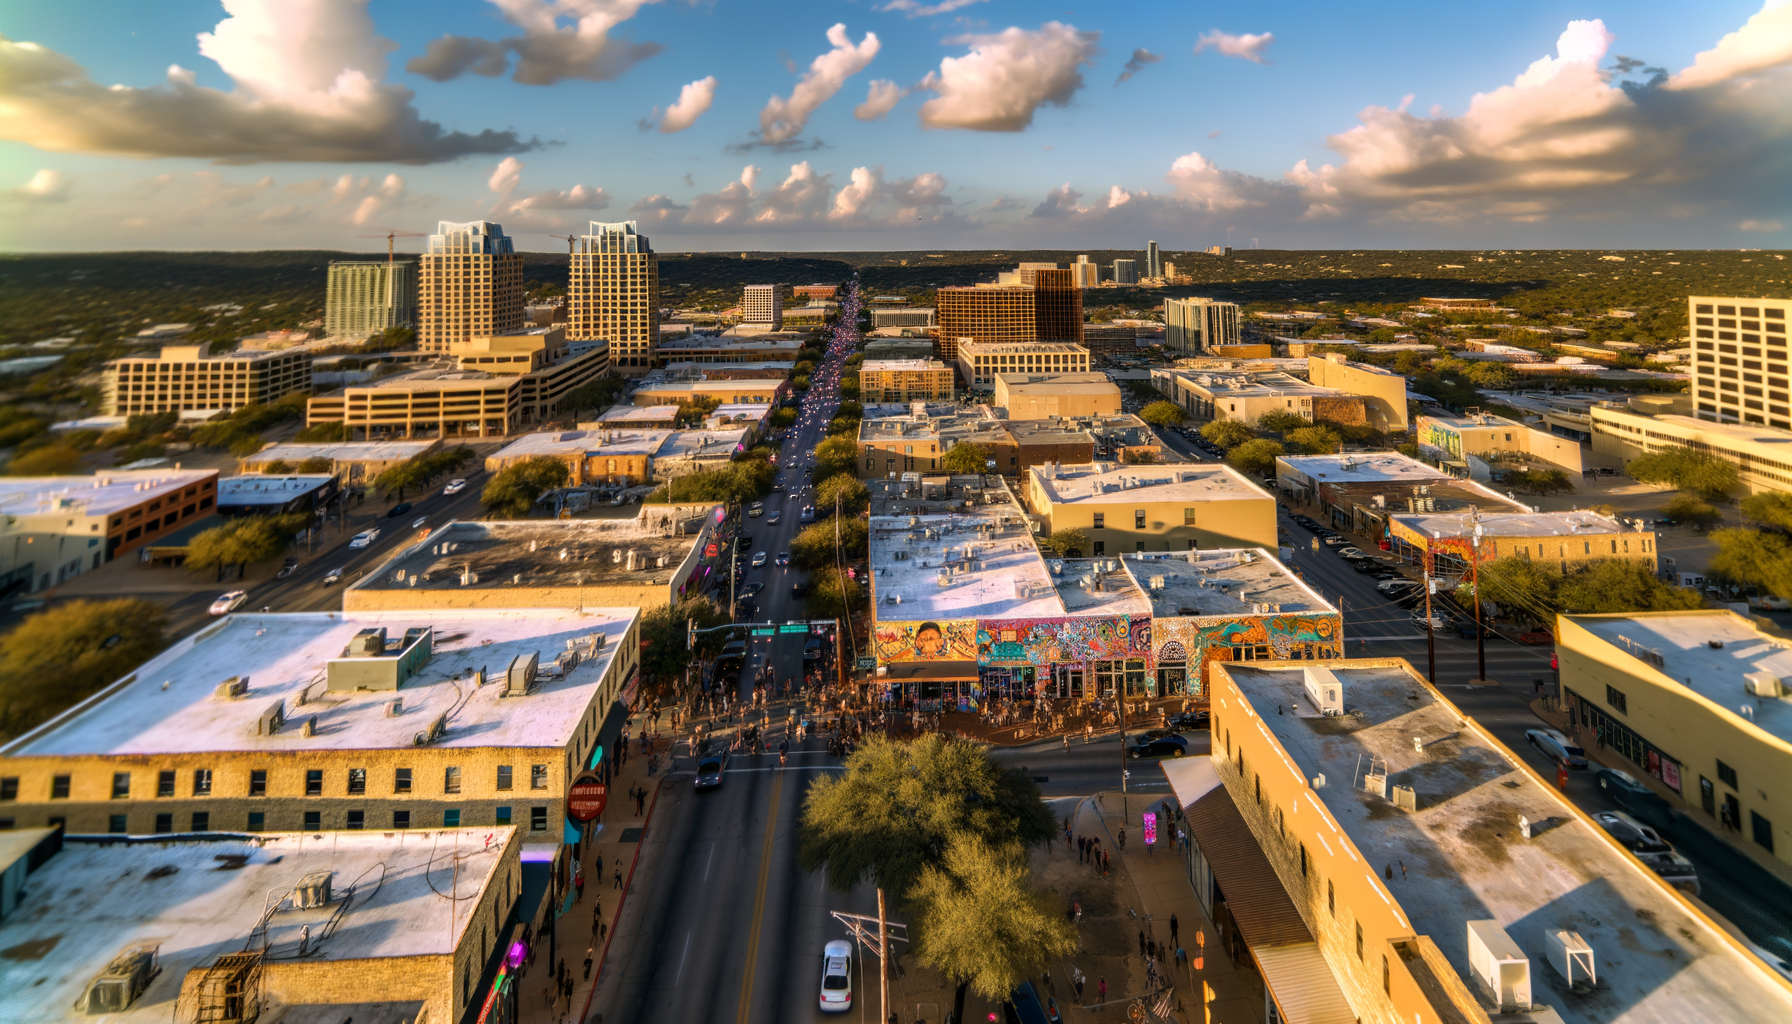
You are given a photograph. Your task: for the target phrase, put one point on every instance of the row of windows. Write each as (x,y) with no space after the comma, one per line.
(355,782)
(1772,314)
(311,821)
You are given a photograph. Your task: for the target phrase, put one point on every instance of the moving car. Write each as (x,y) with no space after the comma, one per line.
(1162,746)
(783,558)
(455,486)
(420,522)
(808,515)
(758,559)
(364,538)
(230,602)
(333,576)
(799,589)
(1199,718)
(1024,1007)
(398,510)
(291,564)
(709,770)
(812,649)
(1650,848)
(836,977)
(773,518)
(1438,619)
(756,509)
(750,590)
(1556,747)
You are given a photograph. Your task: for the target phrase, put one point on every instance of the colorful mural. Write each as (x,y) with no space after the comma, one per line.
(948,640)
(1201,641)
(1060,641)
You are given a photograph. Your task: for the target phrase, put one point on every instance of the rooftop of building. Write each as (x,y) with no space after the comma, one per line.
(708,443)
(345,451)
(1097,586)
(1267,382)
(706,342)
(1510,524)
(1055,430)
(267,489)
(101,494)
(898,365)
(606,440)
(1742,433)
(697,369)
(740,411)
(197,898)
(1063,387)
(1016,380)
(889,421)
(1104,483)
(1002,348)
(1362,467)
(694,386)
(1463,856)
(1471,421)
(955,547)
(1225,582)
(545,554)
(430,378)
(1712,650)
(666,414)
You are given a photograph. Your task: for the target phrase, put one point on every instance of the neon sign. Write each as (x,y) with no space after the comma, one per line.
(1150,822)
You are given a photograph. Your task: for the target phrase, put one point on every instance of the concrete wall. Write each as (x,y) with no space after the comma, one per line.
(1031,404)
(1384,394)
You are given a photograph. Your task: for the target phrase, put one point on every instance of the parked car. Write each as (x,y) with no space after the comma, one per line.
(1398,584)
(710,769)
(1650,848)
(1769,603)
(230,602)
(287,569)
(398,510)
(1625,791)
(1556,747)
(1333,541)
(333,576)
(364,538)
(420,522)
(1367,565)
(1163,746)
(1199,718)
(1351,553)
(1537,637)
(836,977)
(454,487)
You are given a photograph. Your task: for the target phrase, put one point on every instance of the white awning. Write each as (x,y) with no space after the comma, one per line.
(1191,778)
(1302,985)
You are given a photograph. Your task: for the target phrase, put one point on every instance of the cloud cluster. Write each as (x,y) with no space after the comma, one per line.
(46,186)
(1006,77)
(1763,42)
(806,198)
(309,86)
(1247,47)
(1141,58)
(695,98)
(912,198)
(539,208)
(880,99)
(547,51)
(782,120)
(916,9)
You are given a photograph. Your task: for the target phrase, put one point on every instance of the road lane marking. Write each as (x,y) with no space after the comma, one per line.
(710,862)
(765,868)
(682,957)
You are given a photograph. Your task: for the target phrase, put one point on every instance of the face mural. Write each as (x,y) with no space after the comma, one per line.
(945,640)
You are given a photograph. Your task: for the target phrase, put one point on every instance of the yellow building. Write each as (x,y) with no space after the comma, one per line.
(1383,391)
(1123,509)
(979,362)
(1696,704)
(905,380)
(614,287)
(747,391)
(189,377)
(1034,396)
(1736,341)
(1761,454)
(470,285)
(1491,437)
(1560,539)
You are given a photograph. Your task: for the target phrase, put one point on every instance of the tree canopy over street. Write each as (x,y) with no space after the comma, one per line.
(513,491)
(1162,414)
(1686,469)
(244,540)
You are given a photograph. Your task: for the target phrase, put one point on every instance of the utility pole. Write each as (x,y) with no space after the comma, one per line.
(883,960)
(1430,634)
(1125,774)
(1480,642)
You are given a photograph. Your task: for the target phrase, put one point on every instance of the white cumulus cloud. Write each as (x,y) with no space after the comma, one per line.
(1006,77)
(1060,202)
(880,99)
(1249,46)
(908,196)
(46,186)
(579,197)
(784,119)
(506,176)
(693,100)
(308,77)
(547,51)
(916,9)
(1763,42)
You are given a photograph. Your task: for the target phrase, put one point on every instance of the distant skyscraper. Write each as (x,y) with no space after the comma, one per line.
(615,295)
(763,304)
(1057,305)
(472,285)
(1126,272)
(1154,266)
(363,299)
(984,313)
(1194,326)
(1084,273)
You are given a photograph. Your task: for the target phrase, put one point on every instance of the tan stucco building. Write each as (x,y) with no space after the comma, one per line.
(1123,509)
(1034,396)
(188,377)
(905,380)
(1383,391)
(979,362)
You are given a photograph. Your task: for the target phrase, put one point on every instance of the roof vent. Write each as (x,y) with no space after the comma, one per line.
(1572,958)
(124,979)
(272,719)
(395,707)
(232,688)
(1716,645)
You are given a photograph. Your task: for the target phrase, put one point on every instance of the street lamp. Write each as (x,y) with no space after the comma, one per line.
(1475,569)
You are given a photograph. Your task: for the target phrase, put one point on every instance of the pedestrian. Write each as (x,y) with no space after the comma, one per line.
(1122,840)
(619,872)
(578,884)
(1082,850)
(588,952)
(603,931)
(1172,929)
(1105,863)
(1077,980)
(1142,942)
(1077,904)
(1101,990)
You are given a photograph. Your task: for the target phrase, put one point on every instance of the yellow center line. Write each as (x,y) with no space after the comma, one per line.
(765,868)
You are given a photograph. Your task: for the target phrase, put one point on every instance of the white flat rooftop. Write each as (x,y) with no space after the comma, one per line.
(1684,639)
(1463,856)
(1510,524)
(666,414)
(1221,581)
(262,489)
(98,495)
(579,442)
(895,365)
(284,656)
(1089,485)
(1367,467)
(909,554)
(349,451)
(1108,590)
(199,899)
(716,443)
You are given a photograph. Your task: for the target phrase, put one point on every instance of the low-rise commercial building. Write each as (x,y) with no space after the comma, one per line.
(1491,438)
(1358,493)
(1045,441)
(1450,541)
(349,461)
(54,528)
(711,349)
(1247,397)
(259,494)
(979,362)
(1122,437)
(1125,509)
(905,380)
(603,455)
(1762,454)
(186,378)
(1383,391)
(1036,396)
(749,391)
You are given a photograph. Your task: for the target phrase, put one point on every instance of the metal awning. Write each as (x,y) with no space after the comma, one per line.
(931,671)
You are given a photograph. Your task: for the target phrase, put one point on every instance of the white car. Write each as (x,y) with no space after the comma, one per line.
(455,487)
(364,538)
(229,602)
(420,522)
(758,559)
(836,977)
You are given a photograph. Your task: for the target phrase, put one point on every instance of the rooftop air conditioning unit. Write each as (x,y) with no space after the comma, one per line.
(272,719)
(232,688)
(124,979)
(1498,963)
(1763,684)
(313,891)
(521,673)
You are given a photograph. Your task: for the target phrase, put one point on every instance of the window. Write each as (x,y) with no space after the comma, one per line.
(202,782)
(1101,547)
(451,780)
(451,819)
(538,776)
(357,781)
(503,815)
(59,787)
(1188,517)
(1615,699)
(314,821)
(202,821)
(258,782)
(357,819)
(503,778)
(9,788)
(401,819)
(1727,775)
(1138,519)
(401,780)
(1359,940)
(538,819)
(1101,519)
(121,785)
(118,824)
(1303,859)
(314,782)
(164,823)
(1331,898)
(1763,830)
(164,784)
(1386,987)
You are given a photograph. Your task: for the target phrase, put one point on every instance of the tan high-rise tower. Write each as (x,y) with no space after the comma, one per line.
(471,285)
(615,295)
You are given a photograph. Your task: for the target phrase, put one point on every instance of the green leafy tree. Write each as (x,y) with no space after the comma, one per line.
(849,388)
(981,922)
(317,464)
(60,656)
(1686,469)
(1691,510)
(835,455)
(800,383)
(966,457)
(1539,481)
(1382,336)
(814,548)
(1408,363)
(1257,457)
(781,418)
(1755,557)
(748,477)
(851,410)
(323,433)
(1617,585)
(1163,414)
(1314,440)
(1771,507)
(852,496)
(1279,422)
(395,480)
(243,540)
(141,450)
(1497,376)
(835,595)
(594,395)
(804,367)
(1067,543)
(278,467)
(695,411)
(1141,457)
(664,636)
(50,460)
(513,491)
(1228,434)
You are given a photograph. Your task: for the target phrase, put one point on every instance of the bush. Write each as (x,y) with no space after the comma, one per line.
(514,490)
(323,433)
(61,656)
(1539,481)
(141,450)
(1257,458)
(317,464)
(279,467)
(1141,457)
(1281,422)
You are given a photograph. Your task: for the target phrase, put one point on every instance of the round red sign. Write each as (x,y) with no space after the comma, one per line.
(586,800)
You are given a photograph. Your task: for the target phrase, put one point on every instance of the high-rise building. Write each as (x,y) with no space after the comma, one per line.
(1126,272)
(986,313)
(1154,266)
(616,295)
(1085,274)
(763,304)
(471,285)
(1057,305)
(186,378)
(1724,330)
(365,298)
(1193,326)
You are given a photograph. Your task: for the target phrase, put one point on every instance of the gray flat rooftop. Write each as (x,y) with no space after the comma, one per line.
(921,531)
(1057,387)
(633,441)
(1463,857)
(199,899)
(262,489)
(1510,524)
(101,494)
(1019,379)
(666,414)
(1221,581)
(546,553)
(284,656)
(1094,484)
(1097,586)
(1367,467)
(348,451)
(1683,639)
(895,365)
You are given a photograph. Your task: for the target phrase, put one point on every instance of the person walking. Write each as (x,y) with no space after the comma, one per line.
(1122,840)
(1076,980)
(588,951)
(1172,929)
(1105,863)
(1101,990)
(619,873)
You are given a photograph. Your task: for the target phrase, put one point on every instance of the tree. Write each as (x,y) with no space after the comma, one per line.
(1540,481)
(980,921)
(835,455)
(664,635)
(1279,422)
(1496,376)
(1067,543)
(781,418)
(695,411)
(1771,507)
(514,490)
(800,383)
(62,655)
(849,388)
(852,496)
(814,547)
(1163,414)
(595,395)
(1258,457)
(1755,557)
(317,464)
(50,460)
(243,540)
(1227,434)
(1315,440)
(1522,584)
(323,433)
(1689,509)
(1618,585)
(966,457)
(1141,457)
(277,467)
(835,595)
(1686,469)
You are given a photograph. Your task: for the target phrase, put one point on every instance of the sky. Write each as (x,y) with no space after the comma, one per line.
(897,124)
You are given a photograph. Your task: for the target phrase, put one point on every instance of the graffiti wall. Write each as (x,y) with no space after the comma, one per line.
(1199,642)
(1060,641)
(945,640)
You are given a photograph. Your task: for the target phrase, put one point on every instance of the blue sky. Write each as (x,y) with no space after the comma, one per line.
(1298,124)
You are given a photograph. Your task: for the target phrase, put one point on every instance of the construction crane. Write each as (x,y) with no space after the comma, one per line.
(392,234)
(571,241)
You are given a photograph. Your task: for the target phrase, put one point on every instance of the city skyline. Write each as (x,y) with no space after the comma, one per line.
(900,125)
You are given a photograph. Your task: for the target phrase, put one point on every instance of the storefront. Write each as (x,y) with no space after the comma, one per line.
(1187,645)
(1068,658)
(1598,729)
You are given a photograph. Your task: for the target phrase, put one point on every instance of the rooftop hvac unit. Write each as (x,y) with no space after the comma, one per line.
(394,708)
(1157,583)
(1763,684)
(124,979)
(368,643)
(1325,690)
(1572,959)
(1498,963)
(272,719)
(232,688)
(521,673)
(435,731)
(313,891)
